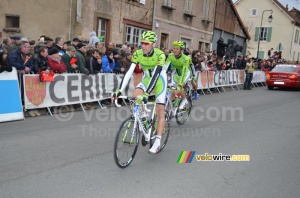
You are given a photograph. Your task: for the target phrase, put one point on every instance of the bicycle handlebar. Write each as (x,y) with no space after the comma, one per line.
(133,99)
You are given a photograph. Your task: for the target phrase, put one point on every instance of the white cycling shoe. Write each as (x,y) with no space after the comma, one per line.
(156,146)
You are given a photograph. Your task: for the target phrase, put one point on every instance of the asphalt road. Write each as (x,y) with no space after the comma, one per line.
(72,156)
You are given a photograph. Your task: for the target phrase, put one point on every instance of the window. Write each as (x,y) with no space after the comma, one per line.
(296,36)
(102,29)
(168,3)
(188,6)
(207,47)
(133,34)
(253,12)
(206,9)
(200,46)
(164,40)
(265,34)
(12,21)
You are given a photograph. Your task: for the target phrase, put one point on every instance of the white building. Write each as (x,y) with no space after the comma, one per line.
(282,34)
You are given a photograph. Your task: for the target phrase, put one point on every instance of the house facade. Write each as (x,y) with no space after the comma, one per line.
(33,18)
(185,20)
(229,26)
(281,34)
(114,20)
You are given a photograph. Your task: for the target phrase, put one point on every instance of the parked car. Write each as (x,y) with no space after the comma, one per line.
(284,76)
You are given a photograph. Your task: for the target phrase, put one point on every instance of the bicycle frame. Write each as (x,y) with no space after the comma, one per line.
(135,107)
(169,103)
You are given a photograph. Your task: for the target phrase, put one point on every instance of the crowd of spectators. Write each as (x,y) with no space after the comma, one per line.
(93,57)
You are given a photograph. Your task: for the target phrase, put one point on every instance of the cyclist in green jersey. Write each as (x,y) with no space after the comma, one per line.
(181,65)
(152,61)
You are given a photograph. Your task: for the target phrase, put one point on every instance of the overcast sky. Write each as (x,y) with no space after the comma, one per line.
(291,3)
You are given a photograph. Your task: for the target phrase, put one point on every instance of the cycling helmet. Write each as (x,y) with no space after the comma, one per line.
(178,44)
(149,36)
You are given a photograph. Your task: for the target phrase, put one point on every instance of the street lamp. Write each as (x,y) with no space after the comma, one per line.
(270,18)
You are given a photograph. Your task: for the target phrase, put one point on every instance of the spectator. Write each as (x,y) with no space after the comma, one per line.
(41,62)
(214,65)
(101,48)
(93,61)
(75,42)
(221,47)
(94,39)
(3,55)
(250,67)
(55,61)
(118,67)
(270,52)
(80,57)
(70,53)
(59,44)
(238,63)
(49,43)
(7,47)
(108,63)
(210,66)
(126,61)
(21,58)
(110,47)
(16,43)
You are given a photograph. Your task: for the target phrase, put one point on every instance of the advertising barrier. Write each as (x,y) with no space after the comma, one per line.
(10,100)
(71,89)
(78,88)
(258,77)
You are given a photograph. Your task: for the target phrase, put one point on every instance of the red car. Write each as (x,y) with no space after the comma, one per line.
(284,76)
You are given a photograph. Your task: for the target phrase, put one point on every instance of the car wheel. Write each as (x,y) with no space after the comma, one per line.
(270,87)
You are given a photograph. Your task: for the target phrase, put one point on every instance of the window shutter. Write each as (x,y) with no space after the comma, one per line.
(269,34)
(256,34)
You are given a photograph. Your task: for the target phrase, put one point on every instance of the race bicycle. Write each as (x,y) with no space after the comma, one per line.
(128,136)
(172,106)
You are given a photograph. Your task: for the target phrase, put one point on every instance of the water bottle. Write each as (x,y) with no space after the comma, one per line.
(144,117)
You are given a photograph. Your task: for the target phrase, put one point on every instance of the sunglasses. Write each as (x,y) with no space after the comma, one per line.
(145,43)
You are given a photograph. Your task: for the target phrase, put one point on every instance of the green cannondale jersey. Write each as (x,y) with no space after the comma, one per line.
(180,64)
(149,62)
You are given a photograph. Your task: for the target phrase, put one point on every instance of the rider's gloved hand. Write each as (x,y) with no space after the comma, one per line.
(178,88)
(117,94)
(144,97)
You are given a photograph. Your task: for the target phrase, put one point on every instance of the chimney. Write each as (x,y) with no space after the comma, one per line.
(287,7)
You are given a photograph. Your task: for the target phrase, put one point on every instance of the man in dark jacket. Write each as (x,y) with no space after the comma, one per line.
(40,62)
(94,62)
(21,58)
(118,67)
(80,60)
(238,63)
(70,53)
(59,43)
(221,48)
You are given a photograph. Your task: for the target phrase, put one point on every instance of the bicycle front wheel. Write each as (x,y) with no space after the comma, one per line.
(126,143)
(182,115)
(165,135)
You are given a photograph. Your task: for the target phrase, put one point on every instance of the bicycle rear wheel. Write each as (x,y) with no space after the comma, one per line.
(182,115)
(126,143)
(165,135)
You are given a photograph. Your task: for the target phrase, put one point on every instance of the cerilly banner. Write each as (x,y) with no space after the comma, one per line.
(71,89)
